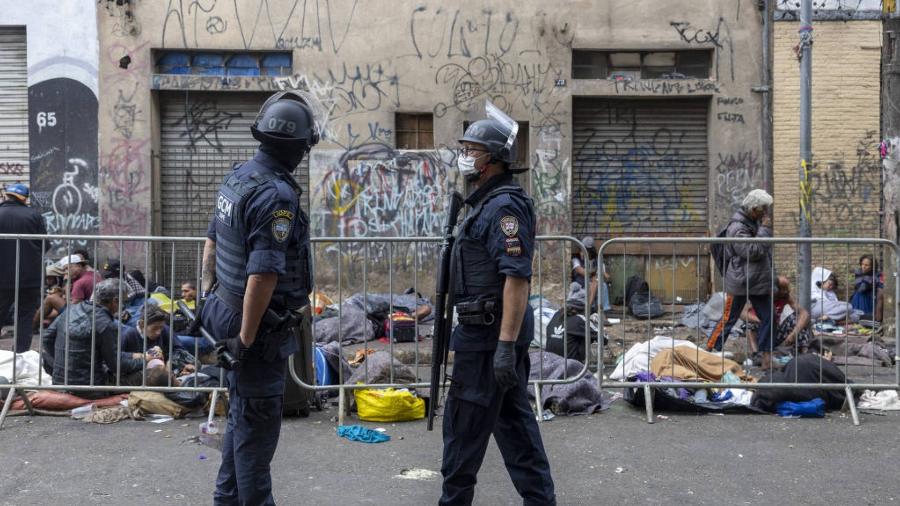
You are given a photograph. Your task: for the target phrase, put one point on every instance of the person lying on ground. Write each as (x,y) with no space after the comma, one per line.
(824,301)
(868,285)
(84,339)
(790,324)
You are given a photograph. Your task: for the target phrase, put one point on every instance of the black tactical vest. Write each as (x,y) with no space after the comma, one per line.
(475,270)
(292,290)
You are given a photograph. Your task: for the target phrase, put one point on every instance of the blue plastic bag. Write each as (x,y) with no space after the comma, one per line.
(807,409)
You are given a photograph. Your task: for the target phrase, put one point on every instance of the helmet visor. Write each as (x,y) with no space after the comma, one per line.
(510,126)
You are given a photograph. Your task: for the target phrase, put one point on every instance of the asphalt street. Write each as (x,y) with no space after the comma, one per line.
(609,458)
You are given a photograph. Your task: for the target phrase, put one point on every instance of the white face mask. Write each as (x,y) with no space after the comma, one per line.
(467,170)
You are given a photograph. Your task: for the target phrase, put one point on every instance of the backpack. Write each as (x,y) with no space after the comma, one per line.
(404,327)
(717,250)
(639,300)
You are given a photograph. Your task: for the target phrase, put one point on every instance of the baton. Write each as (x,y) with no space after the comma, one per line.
(232,362)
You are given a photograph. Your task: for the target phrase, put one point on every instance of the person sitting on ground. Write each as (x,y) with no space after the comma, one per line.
(578,271)
(72,334)
(152,325)
(152,286)
(825,304)
(55,298)
(112,269)
(868,295)
(80,276)
(790,324)
(189,294)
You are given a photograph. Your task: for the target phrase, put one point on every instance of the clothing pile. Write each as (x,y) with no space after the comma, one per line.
(665,359)
(803,369)
(580,397)
(362,318)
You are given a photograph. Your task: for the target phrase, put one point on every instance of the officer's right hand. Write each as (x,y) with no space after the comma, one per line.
(229,352)
(505,364)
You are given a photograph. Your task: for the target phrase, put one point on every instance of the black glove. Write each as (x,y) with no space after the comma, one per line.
(234,347)
(505,364)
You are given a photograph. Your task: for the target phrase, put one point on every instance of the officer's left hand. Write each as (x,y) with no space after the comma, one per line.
(505,364)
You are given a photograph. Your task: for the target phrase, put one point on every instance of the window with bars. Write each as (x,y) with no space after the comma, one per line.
(414,130)
(692,64)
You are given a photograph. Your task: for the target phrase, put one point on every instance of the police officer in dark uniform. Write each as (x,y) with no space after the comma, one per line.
(257,250)
(491,268)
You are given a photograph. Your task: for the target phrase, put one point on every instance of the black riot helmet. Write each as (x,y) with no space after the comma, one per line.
(491,134)
(286,122)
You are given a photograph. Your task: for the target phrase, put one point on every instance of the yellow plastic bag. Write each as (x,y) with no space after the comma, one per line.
(388,405)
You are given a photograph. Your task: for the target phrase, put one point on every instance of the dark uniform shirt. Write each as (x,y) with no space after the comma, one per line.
(505,227)
(17,218)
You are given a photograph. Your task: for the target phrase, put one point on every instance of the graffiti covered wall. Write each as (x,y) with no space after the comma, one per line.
(62,111)
(425,57)
(842,187)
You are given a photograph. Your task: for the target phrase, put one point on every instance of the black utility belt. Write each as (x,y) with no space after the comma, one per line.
(484,311)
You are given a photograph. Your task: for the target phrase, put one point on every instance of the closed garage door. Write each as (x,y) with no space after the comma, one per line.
(202,135)
(640,167)
(13,107)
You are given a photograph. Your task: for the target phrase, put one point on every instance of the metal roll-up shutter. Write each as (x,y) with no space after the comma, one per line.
(202,136)
(640,167)
(13,107)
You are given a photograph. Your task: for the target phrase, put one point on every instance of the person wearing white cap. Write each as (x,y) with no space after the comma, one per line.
(748,271)
(81,278)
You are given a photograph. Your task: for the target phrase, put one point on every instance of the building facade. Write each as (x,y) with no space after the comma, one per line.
(637,117)
(48,110)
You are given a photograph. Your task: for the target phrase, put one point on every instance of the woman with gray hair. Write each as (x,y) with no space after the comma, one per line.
(747,270)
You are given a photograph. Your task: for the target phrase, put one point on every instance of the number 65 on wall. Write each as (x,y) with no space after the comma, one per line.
(46,119)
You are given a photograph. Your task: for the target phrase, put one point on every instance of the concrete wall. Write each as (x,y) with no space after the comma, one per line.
(844,182)
(369,60)
(62,57)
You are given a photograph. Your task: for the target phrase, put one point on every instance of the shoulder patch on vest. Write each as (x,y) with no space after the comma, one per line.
(509,225)
(281,226)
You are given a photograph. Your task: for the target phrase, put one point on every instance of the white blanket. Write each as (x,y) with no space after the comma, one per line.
(27,368)
(638,358)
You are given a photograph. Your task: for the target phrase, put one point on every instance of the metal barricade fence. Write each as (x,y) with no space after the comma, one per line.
(416,267)
(132,295)
(377,267)
(644,352)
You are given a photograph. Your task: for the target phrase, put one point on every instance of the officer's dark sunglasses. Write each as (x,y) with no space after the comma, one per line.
(464,151)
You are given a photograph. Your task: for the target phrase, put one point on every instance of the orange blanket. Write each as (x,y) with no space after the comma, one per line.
(690,364)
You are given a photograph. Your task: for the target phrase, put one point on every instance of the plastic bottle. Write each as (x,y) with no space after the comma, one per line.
(83,411)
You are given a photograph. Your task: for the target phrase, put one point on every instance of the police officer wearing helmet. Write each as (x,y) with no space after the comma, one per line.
(491,269)
(257,250)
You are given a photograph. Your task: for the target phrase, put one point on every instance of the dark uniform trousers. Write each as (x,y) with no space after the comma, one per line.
(29,302)
(255,397)
(475,409)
